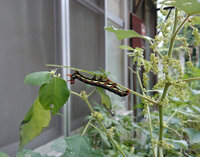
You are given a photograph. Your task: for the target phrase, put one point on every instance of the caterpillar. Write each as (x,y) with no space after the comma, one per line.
(105,84)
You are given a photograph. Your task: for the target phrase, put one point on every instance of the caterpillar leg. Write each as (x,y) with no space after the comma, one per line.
(72,81)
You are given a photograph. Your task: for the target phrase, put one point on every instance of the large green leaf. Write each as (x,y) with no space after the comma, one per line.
(38,78)
(178,143)
(78,146)
(105,99)
(125,47)
(59,145)
(29,153)
(194,135)
(105,140)
(122,34)
(2,154)
(191,7)
(34,122)
(54,94)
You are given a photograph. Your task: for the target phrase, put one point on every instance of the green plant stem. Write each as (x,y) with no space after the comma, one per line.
(98,129)
(171,116)
(59,114)
(159,54)
(85,98)
(76,94)
(148,110)
(190,79)
(85,129)
(111,139)
(175,32)
(91,92)
(140,82)
(151,131)
(171,44)
(121,86)
(160,147)
(106,131)
(137,94)
(61,66)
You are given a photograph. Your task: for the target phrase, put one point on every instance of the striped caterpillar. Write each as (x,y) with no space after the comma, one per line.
(105,84)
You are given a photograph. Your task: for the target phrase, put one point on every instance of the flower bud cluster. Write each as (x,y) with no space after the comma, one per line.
(164,12)
(157,40)
(97,115)
(145,80)
(178,90)
(184,41)
(154,141)
(138,56)
(111,130)
(147,104)
(165,27)
(164,102)
(160,84)
(154,61)
(196,36)
(167,145)
(132,149)
(189,64)
(147,66)
(174,64)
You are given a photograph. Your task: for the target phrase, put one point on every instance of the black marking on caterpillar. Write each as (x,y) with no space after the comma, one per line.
(105,84)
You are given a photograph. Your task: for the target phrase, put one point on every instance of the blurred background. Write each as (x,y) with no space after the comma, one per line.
(66,32)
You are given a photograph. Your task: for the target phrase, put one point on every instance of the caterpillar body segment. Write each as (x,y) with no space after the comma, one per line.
(105,84)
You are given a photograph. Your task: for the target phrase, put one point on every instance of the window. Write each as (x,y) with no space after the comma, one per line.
(27,44)
(68,32)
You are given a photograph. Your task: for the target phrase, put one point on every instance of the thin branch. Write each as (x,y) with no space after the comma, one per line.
(61,66)
(171,116)
(91,92)
(174,32)
(77,94)
(137,94)
(159,54)
(190,79)
(148,110)
(85,98)
(132,70)
(98,129)
(85,129)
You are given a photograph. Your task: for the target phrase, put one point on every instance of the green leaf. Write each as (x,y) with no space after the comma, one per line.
(105,99)
(194,135)
(195,20)
(105,139)
(33,124)
(2,154)
(191,7)
(38,78)
(178,143)
(54,94)
(78,146)
(122,34)
(29,153)
(59,145)
(124,47)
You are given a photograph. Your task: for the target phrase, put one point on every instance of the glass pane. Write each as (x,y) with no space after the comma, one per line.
(27,44)
(115,57)
(87,52)
(116,7)
(99,3)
